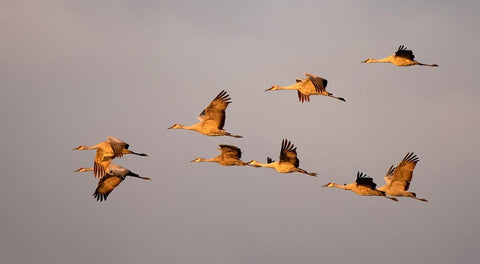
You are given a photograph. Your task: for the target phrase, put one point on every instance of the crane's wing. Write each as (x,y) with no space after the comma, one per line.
(364,180)
(269,160)
(319,82)
(106,186)
(117,146)
(229,151)
(288,153)
(303,97)
(388,177)
(404,53)
(102,160)
(214,114)
(403,173)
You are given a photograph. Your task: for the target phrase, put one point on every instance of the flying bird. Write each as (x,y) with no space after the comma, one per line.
(364,186)
(288,160)
(229,156)
(311,85)
(106,152)
(212,119)
(114,176)
(402,57)
(397,179)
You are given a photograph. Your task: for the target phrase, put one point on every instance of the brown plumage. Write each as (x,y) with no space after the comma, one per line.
(397,179)
(212,119)
(114,176)
(229,156)
(311,85)
(402,57)
(288,160)
(363,185)
(106,152)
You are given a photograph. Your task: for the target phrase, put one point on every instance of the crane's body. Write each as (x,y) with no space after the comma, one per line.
(114,176)
(106,151)
(402,58)
(288,160)
(311,85)
(362,186)
(229,156)
(397,179)
(212,119)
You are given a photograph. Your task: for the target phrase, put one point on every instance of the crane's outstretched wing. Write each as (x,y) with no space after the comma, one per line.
(303,97)
(229,151)
(319,82)
(106,186)
(288,153)
(389,175)
(403,173)
(364,180)
(404,53)
(103,157)
(214,114)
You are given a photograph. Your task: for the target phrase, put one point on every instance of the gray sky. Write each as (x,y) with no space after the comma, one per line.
(74,72)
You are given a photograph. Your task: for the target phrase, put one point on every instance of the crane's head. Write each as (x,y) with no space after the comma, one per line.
(83,169)
(175,126)
(80,148)
(273,88)
(367,60)
(196,160)
(330,184)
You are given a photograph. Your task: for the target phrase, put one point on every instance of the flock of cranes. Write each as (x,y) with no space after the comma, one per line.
(212,121)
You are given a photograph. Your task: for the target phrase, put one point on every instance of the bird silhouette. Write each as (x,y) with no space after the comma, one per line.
(363,185)
(288,160)
(402,57)
(229,156)
(212,119)
(397,179)
(114,176)
(311,85)
(106,152)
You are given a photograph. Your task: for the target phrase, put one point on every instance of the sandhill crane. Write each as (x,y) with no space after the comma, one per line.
(288,160)
(312,85)
(229,156)
(106,151)
(364,186)
(115,175)
(397,179)
(402,57)
(212,119)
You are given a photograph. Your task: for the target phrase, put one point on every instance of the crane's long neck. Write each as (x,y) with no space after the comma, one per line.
(295,86)
(98,146)
(384,60)
(192,127)
(255,163)
(205,160)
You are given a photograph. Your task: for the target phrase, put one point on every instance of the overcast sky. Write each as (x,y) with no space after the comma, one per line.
(74,72)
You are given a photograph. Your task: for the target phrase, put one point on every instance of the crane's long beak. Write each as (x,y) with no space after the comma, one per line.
(269,89)
(365,61)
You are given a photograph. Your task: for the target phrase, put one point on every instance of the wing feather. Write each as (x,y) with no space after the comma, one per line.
(214,115)
(288,153)
(364,180)
(403,52)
